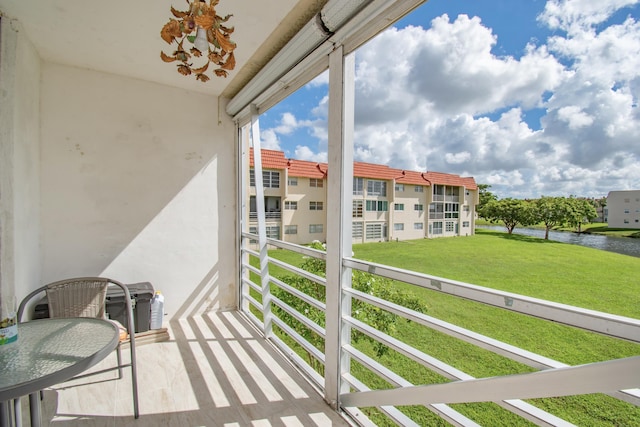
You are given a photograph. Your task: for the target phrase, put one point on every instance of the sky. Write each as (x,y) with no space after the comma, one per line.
(532,97)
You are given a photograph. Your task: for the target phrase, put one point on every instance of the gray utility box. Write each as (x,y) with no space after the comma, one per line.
(141,295)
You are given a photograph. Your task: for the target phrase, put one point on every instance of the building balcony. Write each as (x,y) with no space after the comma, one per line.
(215,370)
(252,367)
(269,216)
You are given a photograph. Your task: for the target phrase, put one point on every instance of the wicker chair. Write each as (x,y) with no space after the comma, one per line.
(86,297)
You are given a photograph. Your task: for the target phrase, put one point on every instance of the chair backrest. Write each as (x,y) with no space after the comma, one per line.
(82,297)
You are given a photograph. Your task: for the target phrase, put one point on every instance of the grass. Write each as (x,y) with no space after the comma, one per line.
(555,271)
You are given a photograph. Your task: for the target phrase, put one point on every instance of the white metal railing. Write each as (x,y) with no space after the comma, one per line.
(617,378)
(268,215)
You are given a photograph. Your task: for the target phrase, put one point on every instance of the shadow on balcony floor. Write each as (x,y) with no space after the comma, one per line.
(215,370)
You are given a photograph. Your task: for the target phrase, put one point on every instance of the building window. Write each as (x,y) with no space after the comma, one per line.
(626,211)
(398,226)
(290,229)
(376,188)
(627,200)
(358,207)
(376,231)
(316,206)
(358,186)
(465,208)
(398,207)
(315,228)
(418,207)
(626,221)
(316,183)
(437,227)
(465,224)
(289,205)
(270,179)
(273,231)
(418,226)
(377,205)
(292,181)
(253,230)
(449,226)
(356,230)
(399,187)
(418,189)
(451,210)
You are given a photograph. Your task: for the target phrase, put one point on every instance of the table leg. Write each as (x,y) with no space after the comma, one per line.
(34,405)
(4,414)
(17,411)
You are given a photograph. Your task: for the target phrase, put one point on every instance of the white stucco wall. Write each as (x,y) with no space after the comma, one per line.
(19,162)
(138,185)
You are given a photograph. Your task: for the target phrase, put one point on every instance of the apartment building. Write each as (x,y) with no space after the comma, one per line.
(388,203)
(623,209)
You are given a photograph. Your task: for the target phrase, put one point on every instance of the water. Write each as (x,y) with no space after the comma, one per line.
(620,245)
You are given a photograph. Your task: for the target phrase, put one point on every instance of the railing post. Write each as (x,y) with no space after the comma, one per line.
(244,140)
(339,197)
(262,229)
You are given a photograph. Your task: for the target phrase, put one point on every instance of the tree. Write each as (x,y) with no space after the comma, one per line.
(367,313)
(484,196)
(601,203)
(509,211)
(553,212)
(580,211)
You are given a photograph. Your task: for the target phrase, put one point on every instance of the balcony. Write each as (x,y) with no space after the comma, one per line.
(269,216)
(216,369)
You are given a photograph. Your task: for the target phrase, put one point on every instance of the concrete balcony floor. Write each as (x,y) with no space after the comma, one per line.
(215,370)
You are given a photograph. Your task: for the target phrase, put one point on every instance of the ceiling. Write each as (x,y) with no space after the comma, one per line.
(123,37)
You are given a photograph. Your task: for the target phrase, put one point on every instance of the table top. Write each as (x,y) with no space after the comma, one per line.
(51,351)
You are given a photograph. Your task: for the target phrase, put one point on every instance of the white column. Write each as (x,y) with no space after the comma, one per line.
(262,229)
(339,197)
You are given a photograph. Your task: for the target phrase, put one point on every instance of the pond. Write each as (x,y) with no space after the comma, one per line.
(620,245)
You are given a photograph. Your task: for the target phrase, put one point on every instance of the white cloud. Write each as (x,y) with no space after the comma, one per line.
(303,152)
(457,158)
(269,140)
(576,15)
(574,117)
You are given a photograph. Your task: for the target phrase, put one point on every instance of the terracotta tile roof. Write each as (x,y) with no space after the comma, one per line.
(273,159)
(306,169)
(413,178)
(370,170)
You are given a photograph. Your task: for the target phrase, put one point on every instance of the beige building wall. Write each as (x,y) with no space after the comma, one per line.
(310,217)
(623,209)
(467,212)
(413,214)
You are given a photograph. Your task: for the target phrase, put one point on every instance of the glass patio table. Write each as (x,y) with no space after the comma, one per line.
(48,352)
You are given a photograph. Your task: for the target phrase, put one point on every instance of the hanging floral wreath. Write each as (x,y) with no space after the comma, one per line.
(211,40)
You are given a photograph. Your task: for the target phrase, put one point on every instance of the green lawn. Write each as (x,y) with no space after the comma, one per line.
(555,271)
